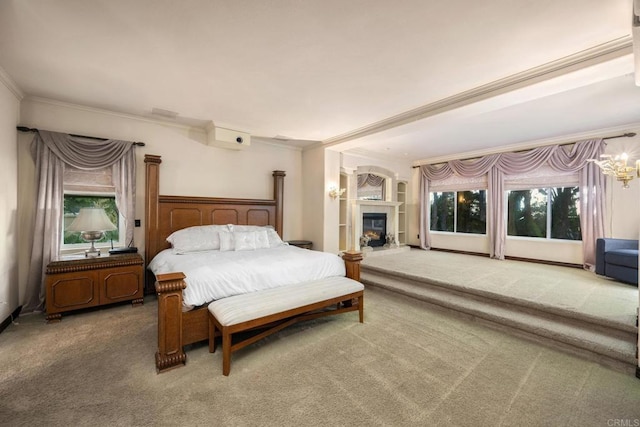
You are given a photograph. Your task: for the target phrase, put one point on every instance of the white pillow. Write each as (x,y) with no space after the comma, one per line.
(272,235)
(196,239)
(274,238)
(250,240)
(262,239)
(227,242)
(244,240)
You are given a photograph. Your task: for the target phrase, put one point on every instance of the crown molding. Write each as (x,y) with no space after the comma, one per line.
(271,142)
(598,54)
(6,79)
(565,139)
(374,155)
(95,110)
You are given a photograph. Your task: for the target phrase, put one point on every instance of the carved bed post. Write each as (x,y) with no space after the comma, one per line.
(151,197)
(170,352)
(278,196)
(352,264)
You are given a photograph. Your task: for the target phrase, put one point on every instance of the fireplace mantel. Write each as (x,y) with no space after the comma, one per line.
(375,206)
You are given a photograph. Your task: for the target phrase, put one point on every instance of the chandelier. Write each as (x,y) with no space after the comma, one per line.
(616,166)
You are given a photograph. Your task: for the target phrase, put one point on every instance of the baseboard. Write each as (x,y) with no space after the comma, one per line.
(455,251)
(541,261)
(512,258)
(6,322)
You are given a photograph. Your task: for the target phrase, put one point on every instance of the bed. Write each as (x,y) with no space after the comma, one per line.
(181,324)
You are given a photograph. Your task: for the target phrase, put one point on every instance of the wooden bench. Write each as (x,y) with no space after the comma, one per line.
(275,309)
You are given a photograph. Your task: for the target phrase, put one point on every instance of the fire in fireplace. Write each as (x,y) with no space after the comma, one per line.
(374,226)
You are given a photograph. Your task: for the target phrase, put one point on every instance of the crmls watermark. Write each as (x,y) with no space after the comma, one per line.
(623,422)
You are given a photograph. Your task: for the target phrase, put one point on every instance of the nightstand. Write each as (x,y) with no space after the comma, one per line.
(304,244)
(74,283)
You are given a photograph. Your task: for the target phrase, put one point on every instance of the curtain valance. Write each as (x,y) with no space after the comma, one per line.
(370,179)
(82,153)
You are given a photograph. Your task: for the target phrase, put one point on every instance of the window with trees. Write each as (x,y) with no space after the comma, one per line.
(459,211)
(550,213)
(87,189)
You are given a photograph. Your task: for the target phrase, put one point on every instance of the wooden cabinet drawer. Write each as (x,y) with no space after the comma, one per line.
(72,291)
(121,284)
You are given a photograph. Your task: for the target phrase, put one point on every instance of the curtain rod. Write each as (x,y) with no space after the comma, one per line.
(26,129)
(624,135)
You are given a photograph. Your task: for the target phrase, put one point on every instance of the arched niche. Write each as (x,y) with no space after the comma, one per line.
(365,183)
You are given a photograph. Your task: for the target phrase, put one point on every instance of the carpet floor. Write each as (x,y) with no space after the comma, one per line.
(406,365)
(563,288)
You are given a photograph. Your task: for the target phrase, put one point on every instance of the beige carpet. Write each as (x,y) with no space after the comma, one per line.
(563,288)
(406,365)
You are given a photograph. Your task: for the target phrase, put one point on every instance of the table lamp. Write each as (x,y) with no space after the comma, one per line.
(91,223)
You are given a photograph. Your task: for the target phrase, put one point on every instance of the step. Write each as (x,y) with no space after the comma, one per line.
(608,343)
(507,299)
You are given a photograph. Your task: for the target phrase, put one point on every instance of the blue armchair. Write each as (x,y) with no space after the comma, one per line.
(618,259)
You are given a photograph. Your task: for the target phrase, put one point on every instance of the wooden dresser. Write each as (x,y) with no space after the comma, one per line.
(74,283)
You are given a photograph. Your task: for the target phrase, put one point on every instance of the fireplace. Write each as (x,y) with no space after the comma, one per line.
(374,226)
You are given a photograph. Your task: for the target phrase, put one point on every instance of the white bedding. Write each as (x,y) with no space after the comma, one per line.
(212,275)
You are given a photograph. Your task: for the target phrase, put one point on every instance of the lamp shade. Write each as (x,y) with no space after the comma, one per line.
(91,219)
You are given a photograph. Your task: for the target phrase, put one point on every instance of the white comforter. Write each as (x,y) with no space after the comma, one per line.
(212,275)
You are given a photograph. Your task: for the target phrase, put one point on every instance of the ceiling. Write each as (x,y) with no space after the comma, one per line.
(413,79)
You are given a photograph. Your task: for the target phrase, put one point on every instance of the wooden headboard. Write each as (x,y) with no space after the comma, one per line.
(166,214)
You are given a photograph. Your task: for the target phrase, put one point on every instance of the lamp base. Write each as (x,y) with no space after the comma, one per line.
(92,236)
(92,253)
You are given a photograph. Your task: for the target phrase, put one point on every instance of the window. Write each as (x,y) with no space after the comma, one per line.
(85,189)
(459,211)
(551,213)
(442,208)
(471,212)
(72,205)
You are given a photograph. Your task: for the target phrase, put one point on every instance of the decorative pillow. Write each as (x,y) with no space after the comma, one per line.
(196,239)
(262,239)
(245,240)
(272,235)
(227,242)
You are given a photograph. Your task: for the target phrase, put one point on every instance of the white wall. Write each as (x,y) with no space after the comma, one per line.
(313,185)
(623,220)
(9,117)
(189,167)
(331,206)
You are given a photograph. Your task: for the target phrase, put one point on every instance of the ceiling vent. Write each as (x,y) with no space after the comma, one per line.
(164,113)
(227,138)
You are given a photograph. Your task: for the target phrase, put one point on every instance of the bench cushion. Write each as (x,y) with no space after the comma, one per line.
(245,307)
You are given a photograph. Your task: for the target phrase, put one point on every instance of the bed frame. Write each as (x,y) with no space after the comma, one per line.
(166,214)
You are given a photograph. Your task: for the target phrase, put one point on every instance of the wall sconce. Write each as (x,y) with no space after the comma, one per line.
(334,193)
(616,166)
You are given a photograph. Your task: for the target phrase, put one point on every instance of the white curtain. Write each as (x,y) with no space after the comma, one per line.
(560,158)
(51,151)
